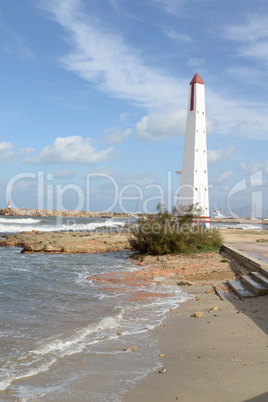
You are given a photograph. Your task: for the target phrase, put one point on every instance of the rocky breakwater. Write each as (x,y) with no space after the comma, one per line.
(63,213)
(66,242)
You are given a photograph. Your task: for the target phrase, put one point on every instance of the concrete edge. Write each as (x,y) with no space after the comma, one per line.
(246,259)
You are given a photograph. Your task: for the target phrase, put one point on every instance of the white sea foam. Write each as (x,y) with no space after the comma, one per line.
(41,359)
(19,220)
(56,345)
(93,225)
(86,227)
(244,226)
(7,381)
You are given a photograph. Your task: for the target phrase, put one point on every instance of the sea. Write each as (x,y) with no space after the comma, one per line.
(65,337)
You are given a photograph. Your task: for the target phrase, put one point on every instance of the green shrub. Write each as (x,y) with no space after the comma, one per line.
(166,233)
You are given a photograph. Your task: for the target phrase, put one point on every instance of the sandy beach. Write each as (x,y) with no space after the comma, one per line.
(221,356)
(211,350)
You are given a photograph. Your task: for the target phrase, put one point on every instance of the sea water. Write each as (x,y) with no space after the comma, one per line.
(66,337)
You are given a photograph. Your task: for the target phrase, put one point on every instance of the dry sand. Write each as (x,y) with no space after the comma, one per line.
(222,356)
(219,357)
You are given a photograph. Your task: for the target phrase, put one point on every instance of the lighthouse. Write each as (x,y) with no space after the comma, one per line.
(194,173)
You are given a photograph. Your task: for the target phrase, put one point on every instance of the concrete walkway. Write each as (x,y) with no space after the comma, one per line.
(256,250)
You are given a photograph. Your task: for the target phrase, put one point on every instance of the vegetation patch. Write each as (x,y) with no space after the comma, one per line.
(181,231)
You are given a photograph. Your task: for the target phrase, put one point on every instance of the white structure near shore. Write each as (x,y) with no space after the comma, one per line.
(194,174)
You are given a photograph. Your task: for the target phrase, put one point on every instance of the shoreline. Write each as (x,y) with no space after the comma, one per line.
(221,356)
(111,239)
(218,357)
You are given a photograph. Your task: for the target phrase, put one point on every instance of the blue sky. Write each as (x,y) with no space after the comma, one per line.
(94,97)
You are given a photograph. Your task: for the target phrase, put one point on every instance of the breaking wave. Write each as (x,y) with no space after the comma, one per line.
(29,224)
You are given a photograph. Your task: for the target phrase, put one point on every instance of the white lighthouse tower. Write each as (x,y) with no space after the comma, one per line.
(194,174)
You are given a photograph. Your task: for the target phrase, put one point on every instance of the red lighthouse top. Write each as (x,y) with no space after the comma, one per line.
(197,80)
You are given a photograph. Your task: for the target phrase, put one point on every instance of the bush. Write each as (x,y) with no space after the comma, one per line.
(166,233)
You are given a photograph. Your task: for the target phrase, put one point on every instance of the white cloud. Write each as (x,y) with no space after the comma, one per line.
(123,117)
(26,151)
(256,50)
(249,74)
(65,174)
(171,6)
(252,35)
(172,34)
(244,118)
(195,62)
(73,149)
(15,44)
(160,126)
(115,135)
(219,155)
(254,29)
(125,178)
(6,152)
(102,57)
(251,168)
(225,176)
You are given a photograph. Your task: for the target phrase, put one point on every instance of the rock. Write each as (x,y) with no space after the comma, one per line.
(130,349)
(185,283)
(66,242)
(197,314)
(216,308)
(10,243)
(49,248)
(33,248)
